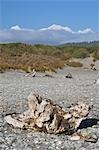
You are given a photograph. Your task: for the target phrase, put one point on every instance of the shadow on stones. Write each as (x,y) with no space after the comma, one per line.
(88,123)
(69,76)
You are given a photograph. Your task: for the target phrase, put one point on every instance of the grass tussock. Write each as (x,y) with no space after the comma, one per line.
(74,64)
(37,62)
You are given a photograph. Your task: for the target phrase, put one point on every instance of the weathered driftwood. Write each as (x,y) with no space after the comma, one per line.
(48,74)
(31,73)
(44,115)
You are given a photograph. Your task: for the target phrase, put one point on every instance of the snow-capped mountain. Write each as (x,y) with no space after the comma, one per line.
(54,34)
(57,28)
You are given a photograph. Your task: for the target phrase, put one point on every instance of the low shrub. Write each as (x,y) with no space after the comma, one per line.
(43,57)
(96,54)
(74,64)
(80,53)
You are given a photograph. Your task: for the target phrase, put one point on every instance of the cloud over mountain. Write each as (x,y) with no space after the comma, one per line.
(54,34)
(16,27)
(57,28)
(88,30)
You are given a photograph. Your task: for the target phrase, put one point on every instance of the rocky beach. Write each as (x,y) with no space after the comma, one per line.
(49,75)
(15,87)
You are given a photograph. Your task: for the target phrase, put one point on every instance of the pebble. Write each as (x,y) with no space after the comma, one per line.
(75,138)
(2,140)
(10,139)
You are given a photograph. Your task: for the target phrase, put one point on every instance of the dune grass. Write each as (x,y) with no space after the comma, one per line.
(42,57)
(74,64)
(96,54)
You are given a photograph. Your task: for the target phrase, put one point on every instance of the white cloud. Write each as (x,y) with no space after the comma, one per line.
(57,27)
(54,34)
(17,27)
(88,30)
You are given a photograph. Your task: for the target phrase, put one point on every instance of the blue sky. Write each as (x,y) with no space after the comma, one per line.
(77,14)
(49,21)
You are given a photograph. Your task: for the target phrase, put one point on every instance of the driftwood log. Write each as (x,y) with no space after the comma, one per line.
(44,115)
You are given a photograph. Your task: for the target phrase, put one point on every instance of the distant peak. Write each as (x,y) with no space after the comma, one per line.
(16,27)
(57,27)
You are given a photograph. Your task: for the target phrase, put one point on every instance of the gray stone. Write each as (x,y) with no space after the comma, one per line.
(10,139)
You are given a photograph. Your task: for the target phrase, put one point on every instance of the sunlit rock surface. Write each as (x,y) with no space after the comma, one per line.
(44,115)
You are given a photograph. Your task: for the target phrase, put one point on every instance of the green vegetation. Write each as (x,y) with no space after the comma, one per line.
(96,54)
(74,64)
(43,57)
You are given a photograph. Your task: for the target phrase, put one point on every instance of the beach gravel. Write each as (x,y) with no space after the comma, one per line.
(14,90)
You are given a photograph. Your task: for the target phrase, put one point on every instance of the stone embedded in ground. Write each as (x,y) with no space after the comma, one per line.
(69,76)
(97,81)
(75,138)
(44,115)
